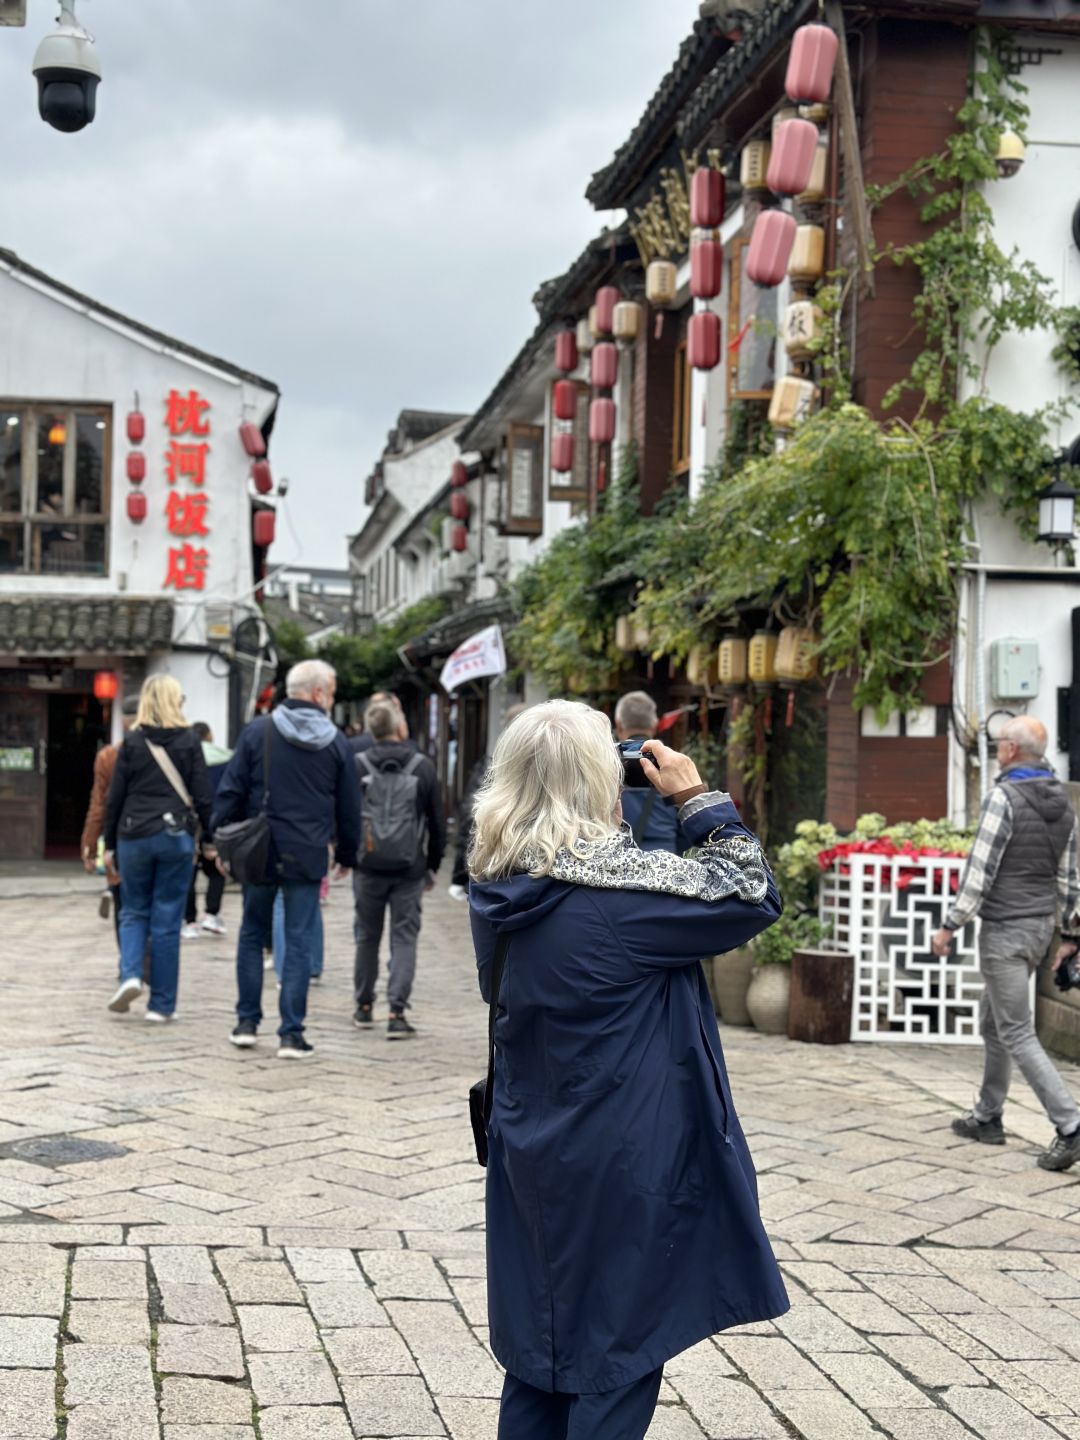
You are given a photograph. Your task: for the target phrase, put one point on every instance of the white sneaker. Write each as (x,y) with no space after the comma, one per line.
(190,932)
(129,990)
(213,924)
(155,1017)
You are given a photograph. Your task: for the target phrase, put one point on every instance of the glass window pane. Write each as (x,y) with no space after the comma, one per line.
(11,428)
(11,548)
(51,439)
(89,463)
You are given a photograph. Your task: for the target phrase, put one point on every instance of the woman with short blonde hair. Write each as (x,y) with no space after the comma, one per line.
(623,1224)
(159,798)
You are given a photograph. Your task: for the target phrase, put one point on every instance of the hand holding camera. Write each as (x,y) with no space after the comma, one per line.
(666,770)
(1066,966)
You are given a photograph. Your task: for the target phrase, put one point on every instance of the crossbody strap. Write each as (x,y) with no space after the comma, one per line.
(267,737)
(169,770)
(501,947)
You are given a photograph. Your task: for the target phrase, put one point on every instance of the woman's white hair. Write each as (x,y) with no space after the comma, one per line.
(554,783)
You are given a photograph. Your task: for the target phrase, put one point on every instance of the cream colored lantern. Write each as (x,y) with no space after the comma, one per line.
(791,403)
(594,321)
(818,182)
(801,329)
(627,322)
(807,262)
(702,667)
(732,661)
(584,337)
(761,658)
(796,655)
(754,165)
(661,283)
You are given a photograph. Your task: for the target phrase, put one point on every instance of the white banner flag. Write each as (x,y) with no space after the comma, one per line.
(482,654)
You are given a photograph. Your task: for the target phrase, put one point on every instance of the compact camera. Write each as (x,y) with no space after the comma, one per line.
(634,777)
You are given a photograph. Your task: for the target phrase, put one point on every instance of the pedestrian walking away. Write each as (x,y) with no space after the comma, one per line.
(404,837)
(159,797)
(358,744)
(622,1213)
(1021,872)
(311,798)
(653,819)
(216,757)
(94,823)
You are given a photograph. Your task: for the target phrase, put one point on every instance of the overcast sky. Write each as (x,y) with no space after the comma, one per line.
(356,198)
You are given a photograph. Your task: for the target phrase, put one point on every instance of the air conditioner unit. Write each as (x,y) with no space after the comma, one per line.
(12,12)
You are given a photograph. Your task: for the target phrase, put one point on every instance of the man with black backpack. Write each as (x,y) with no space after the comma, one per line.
(403,836)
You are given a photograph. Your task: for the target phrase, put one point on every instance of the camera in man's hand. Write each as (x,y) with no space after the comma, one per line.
(634,777)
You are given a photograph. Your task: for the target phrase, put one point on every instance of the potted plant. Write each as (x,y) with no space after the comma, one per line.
(770,982)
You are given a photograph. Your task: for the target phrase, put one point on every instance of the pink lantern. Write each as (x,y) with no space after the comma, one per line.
(262,476)
(706,198)
(136,467)
(564,399)
(792,159)
(602,421)
(459,474)
(811,64)
(251,437)
(562,453)
(703,340)
(459,539)
(459,506)
(136,427)
(706,265)
(605,367)
(770,247)
(136,507)
(263,525)
(607,297)
(566,357)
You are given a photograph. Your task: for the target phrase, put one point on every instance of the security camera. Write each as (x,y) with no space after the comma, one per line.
(1010,154)
(68,72)
(283,485)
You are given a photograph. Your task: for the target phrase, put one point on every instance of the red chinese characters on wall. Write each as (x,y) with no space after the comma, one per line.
(187,508)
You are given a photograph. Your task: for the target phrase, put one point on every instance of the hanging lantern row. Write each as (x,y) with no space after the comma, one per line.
(790,658)
(136,463)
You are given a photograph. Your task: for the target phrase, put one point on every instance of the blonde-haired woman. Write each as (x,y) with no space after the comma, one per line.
(158,799)
(622,1212)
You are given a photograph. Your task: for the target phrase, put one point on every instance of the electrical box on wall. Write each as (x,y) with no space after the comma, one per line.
(1014,669)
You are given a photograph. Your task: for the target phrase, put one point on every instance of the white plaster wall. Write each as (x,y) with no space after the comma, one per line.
(52,351)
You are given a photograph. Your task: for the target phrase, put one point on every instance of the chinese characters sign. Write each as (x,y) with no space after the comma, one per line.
(188,505)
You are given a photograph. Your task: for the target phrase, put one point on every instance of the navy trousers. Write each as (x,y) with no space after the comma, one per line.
(530,1414)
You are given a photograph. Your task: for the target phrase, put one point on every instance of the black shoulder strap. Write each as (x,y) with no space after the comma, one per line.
(641,824)
(266,762)
(501,947)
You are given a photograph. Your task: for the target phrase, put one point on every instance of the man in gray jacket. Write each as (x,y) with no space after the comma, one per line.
(1022,871)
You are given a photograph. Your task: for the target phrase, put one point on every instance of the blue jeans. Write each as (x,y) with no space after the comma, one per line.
(278,942)
(156,873)
(302,931)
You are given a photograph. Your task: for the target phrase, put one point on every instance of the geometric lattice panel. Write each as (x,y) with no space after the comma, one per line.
(883,912)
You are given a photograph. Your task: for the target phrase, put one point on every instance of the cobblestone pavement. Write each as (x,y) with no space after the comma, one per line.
(294,1251)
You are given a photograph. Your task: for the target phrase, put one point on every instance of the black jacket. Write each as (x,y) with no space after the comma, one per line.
(140,795)
(428,801)
(314,794)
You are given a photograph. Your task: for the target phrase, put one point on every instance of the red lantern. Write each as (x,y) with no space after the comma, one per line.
(459,539)
(106,685)
(706,265)
(706,198)
(459,474)
(562,453)
(566,357)
(703,340)
(607,297)
(136,427)
(136,507)
(602,421)
(262,476)
(263,526)
(564,399)
(811,63)
(770,247)
(459,506)
(605,366)
(251,437)
(136,467)
(792,158)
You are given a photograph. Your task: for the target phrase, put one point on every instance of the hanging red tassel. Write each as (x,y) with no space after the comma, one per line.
(789,719)
(601,477)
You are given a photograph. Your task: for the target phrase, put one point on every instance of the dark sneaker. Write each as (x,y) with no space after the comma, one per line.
(294,1047)
(245,1035)
(399,1028)
(986,1132)
(1064,1152)
(362,1018)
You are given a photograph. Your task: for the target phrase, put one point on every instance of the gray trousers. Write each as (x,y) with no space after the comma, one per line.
(372,894)
(1009,951)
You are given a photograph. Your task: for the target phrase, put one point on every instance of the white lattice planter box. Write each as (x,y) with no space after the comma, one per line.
(883,909)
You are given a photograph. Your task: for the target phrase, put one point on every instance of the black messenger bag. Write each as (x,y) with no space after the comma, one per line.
(244,846)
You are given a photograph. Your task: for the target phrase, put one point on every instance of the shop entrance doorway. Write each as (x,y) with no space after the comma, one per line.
(48,741)
(77,728)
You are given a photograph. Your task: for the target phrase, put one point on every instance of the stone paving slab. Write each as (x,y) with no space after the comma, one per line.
(298,1251)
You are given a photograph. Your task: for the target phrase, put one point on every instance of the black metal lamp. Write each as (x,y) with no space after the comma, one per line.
(1057,509)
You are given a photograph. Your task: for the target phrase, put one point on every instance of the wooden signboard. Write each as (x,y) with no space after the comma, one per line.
(524,473)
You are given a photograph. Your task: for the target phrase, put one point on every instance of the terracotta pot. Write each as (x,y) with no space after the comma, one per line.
(767,998)
(730,982)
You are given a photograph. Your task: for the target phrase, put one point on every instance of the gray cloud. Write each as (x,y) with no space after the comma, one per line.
(354,197)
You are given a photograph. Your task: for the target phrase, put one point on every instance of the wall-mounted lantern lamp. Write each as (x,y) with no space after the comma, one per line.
(1057,509)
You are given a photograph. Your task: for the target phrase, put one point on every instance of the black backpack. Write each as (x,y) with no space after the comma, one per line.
(393,831)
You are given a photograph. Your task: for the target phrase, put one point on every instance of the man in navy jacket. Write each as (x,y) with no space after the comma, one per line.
(652,818)
(314,801)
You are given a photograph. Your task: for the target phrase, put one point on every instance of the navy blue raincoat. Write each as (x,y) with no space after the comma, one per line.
(622,1208)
